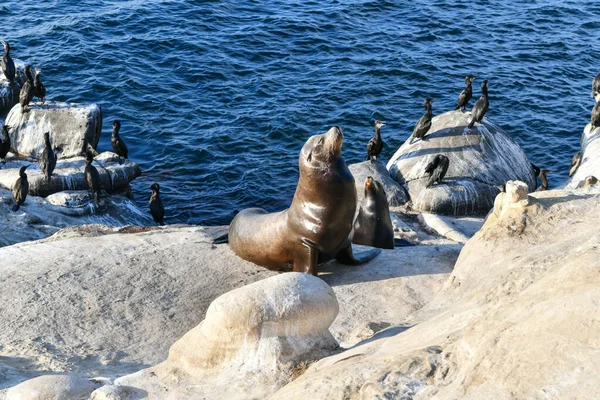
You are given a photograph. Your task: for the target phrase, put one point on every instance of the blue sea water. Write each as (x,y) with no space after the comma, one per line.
(216,98)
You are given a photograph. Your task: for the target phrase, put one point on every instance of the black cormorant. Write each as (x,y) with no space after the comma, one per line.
(156,205)
(48,158)
(4,143)
(20,189)
(595,118)
(8,65)
(481,106)
(596,85)
(376,143)
(437,169)
(465,96)
(544,179)
(26,94)
(92,177)
(575,163)
(39,89)
(424,123)
(118,144)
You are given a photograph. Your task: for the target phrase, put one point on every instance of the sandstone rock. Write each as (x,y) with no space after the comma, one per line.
(115,392)
(590,157)
(481,160)
(52,387)
(395,193)
(69,175)
(516,320)
(70,125)
(262,332)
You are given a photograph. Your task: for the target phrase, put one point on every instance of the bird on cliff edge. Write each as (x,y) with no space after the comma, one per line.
(39,90)
(26,94)
(47,158)
(544,179)
(20,189)
(8,65)
(157,208)
(424,123)
(481,106)
(375,145)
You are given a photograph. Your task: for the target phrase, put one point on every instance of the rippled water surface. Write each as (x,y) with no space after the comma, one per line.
(217,98)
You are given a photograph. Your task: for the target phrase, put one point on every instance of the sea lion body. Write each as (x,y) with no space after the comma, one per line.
(317,226)
(373,225)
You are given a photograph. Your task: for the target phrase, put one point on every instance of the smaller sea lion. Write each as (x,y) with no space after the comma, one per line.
(465,96)
(92,177)
(424,123)
(373,225)
(575,162)
(481,106)
(26,94)
(39,90)
(157,208)
(118,144)
(437,169)
(48,158)
(376,143)
(8,65)
(20,189)
(4,144)
(544,179)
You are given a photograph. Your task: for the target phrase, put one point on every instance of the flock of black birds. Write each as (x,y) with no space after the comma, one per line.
(438,167)
(33,87)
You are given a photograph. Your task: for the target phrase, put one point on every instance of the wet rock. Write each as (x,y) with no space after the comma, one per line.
(55,387)
(482,159)
(395,193)
(69,174)
(71,126)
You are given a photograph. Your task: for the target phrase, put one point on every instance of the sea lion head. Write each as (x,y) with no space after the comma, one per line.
(370,186)
(323,148)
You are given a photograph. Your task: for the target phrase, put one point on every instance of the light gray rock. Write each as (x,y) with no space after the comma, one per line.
(254,338)
(481,160)
(52,387)
(70,174)
(395,193)
(70,125)
(590,157)
(38,218)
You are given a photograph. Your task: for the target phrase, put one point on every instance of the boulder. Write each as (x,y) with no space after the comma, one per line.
(52,387)
(70,174)
(482,159)
(71,127)
(261,333)
(590,157)
(395,193)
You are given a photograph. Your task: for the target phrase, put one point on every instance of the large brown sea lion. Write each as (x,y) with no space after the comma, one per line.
(317,226)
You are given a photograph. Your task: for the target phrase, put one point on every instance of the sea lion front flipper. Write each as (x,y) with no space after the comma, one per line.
(345,256)
(308,262)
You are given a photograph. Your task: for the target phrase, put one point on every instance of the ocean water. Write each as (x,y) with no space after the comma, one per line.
(216,98)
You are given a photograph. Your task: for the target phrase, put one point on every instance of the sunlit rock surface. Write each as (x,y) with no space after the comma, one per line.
(71,126)
(395,193)
(590,157)
(482,159)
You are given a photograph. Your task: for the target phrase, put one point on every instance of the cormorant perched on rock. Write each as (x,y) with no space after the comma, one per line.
(48,158)
(20,189)
(465,96)
(544,179)
(376,143)
(4,144)
(575,162)
(437,169)
(39,89)
(118,144)
(595,118)
(424,123)
(535,168)
(26,94)
(481,106)
(596,85)
(92,177)
(8,65)
(156,205)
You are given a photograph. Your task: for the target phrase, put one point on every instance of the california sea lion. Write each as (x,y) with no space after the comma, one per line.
(317,226)
(373,225)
